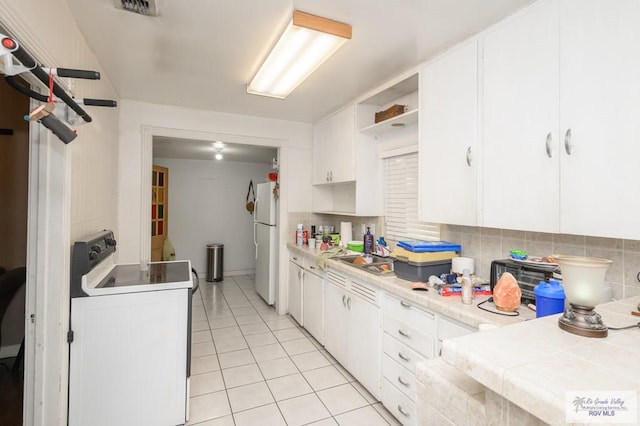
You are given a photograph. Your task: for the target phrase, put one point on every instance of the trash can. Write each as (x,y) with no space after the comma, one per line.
(215,256)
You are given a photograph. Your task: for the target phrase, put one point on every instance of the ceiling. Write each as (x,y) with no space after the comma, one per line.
(191,149)
(201,54)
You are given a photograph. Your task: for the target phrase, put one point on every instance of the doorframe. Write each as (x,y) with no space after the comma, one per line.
(148,132)
(46,353)
(46,319)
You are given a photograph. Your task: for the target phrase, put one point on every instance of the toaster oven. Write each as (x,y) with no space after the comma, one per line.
(527,275)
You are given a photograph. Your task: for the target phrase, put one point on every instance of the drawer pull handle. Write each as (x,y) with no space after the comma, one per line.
(402,382)
(349,303)
(312,267)
(404,413)
(344,303)
(404,304)
(403,357)
(295,258)
(404,334)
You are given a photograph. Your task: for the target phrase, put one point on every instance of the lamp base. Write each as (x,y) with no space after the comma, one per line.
(583,321)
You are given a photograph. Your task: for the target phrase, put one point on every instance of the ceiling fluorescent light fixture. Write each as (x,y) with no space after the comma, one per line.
(307,42)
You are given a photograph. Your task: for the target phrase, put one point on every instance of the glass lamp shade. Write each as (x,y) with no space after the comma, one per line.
(583,278)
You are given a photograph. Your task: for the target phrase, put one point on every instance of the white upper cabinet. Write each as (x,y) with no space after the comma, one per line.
(520,157)
(448,137)
(334,148)
(600,108)
(561,101)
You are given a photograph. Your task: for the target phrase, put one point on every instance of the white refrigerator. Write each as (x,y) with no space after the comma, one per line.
(265,238)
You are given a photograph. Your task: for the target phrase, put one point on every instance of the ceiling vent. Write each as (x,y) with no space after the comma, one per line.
(141,7)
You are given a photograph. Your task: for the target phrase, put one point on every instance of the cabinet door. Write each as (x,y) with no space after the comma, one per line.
(320,152)
(600,105)
(295,292)
(313,305)
(364,343)
(342,146)
(336,320)
(520,122)
(448,135)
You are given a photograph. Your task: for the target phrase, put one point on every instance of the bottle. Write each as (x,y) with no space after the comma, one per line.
(299,235)
(467,288)
(368,242)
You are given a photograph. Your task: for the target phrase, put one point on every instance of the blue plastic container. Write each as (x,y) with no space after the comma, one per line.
(429,246)
(549,298)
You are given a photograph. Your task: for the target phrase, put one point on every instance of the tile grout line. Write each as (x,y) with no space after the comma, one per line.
(317,348)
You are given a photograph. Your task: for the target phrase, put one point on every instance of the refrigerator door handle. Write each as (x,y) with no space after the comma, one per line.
(255,242)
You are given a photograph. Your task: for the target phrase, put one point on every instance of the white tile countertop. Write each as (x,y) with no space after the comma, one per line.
(450,306)
(534,363)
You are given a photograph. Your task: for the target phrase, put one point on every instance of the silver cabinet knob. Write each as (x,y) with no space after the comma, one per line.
(567,142)
(548,145)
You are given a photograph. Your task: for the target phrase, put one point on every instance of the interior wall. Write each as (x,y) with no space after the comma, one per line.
(14,174)
(207,204)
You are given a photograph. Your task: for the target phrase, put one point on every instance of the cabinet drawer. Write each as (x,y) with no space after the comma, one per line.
(398,404)
(401,378)
(311,266)
(410,314)
(296,258)
(400,353)
(409,335)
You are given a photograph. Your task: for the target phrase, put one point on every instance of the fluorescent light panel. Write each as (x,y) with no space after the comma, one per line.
(307,42)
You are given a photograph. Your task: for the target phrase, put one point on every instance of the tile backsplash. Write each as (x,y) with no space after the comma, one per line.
(487,244)
(308,219)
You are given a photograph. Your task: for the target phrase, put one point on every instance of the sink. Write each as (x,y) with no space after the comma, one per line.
(375,267)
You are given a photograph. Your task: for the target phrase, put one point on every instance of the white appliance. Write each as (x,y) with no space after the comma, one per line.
(129,339)
(265,238)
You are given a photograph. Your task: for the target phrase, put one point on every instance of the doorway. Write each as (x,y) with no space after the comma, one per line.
(208,198)
(14,195)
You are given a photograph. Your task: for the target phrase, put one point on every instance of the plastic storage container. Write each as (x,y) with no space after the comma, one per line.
(420,271)
(409,256)
(429,246)
(549,298)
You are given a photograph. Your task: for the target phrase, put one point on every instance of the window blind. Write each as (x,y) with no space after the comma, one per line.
(401,201)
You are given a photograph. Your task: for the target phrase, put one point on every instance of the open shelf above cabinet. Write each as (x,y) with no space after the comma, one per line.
(403,92)
(398,122)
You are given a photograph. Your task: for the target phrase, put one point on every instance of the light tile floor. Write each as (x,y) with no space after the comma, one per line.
(253,367)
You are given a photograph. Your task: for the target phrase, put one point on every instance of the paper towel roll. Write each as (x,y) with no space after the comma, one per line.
(459,264)
(345,233)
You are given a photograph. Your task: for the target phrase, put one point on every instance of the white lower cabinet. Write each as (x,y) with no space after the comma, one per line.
(410,336)
(449,329)
(313,303)
(352,328)
(294,292)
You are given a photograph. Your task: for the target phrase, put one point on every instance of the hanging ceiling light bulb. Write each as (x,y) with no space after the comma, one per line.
(218,156)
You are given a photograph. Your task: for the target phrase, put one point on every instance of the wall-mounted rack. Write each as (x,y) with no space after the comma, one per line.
(15,60)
